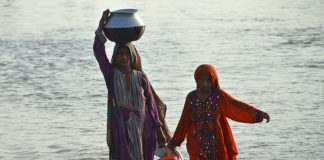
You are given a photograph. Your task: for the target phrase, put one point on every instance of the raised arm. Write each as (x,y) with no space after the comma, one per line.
(99,47)
(240,111)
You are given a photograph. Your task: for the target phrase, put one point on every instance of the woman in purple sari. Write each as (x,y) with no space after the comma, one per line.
(132,111)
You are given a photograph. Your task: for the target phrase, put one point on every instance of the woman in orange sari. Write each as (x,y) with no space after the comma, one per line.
(204,119)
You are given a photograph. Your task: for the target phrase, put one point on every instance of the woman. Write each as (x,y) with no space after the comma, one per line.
(203,121)
(132,111)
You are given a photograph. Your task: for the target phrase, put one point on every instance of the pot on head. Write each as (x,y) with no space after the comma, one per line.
(124,26)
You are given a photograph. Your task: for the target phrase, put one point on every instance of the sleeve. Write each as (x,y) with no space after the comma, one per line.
(183,126)
(150,103)
(238,110)
(100,53)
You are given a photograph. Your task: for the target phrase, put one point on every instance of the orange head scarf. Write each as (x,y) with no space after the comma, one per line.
(207,70)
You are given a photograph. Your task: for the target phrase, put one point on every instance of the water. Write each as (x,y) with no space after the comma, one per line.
(268,53)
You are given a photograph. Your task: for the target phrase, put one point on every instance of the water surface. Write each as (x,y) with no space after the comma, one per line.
(268,53)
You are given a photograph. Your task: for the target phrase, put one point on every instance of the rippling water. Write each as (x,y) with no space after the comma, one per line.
(268,53)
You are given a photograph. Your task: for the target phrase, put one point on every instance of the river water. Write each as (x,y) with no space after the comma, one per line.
(268,53)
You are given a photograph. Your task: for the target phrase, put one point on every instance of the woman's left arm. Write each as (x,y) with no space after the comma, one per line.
(150,103)
(240,111)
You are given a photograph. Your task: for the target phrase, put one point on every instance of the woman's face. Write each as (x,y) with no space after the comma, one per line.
(123,58)
(204,83)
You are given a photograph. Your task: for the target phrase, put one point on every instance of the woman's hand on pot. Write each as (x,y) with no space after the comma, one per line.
(105,15)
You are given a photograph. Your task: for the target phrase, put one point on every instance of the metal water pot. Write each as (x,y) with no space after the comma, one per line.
(124,26)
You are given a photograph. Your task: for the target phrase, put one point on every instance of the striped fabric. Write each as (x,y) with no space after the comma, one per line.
(128,90)
(134,127)
(129,93)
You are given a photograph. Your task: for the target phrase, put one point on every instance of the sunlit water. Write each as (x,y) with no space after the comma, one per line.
(268,53)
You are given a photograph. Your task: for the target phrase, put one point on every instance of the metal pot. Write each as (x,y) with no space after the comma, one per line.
(124,26)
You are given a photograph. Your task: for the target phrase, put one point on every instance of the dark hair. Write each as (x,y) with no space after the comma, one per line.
(123,46)
(117,48)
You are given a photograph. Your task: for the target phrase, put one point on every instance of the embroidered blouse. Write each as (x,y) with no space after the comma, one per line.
(201,123)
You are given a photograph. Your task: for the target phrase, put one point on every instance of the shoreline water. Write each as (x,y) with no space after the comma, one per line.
(267,53)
